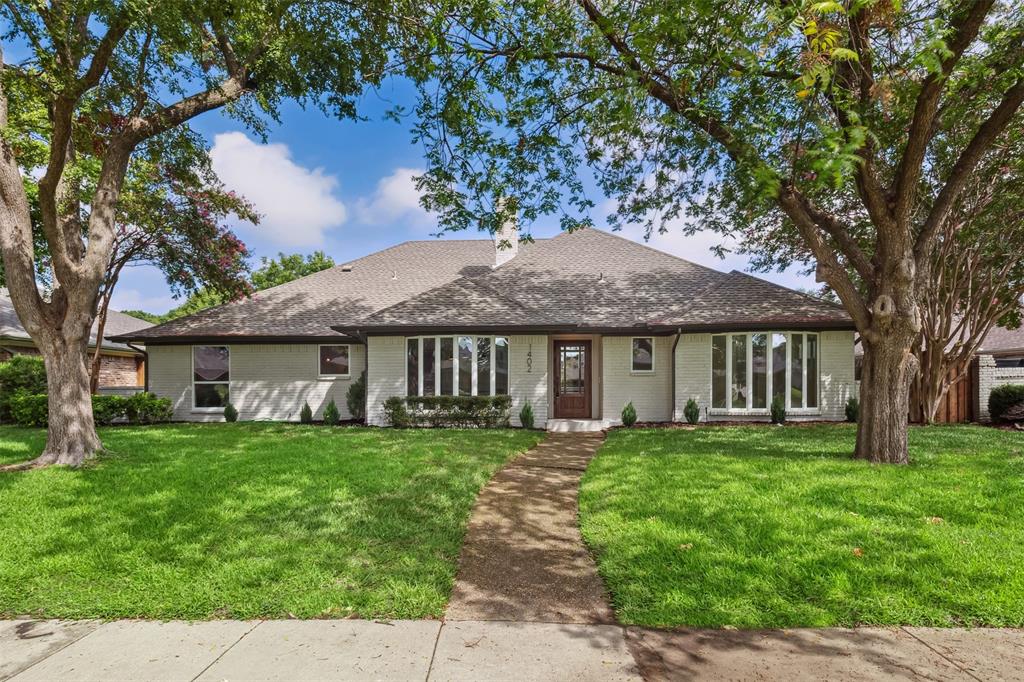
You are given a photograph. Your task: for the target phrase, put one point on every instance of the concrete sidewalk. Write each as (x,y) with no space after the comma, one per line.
(473,650)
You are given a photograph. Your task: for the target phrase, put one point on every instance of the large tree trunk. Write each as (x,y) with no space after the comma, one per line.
(888,371)
(71,438)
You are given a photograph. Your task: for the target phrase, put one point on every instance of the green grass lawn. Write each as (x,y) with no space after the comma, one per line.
(776,527)
(243,521)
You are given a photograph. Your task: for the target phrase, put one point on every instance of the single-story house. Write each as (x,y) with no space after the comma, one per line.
(122,368)
(999,360)
(578,325)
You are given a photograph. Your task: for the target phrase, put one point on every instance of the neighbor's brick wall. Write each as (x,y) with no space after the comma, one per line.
(990,376)
(650,393)
(119,371)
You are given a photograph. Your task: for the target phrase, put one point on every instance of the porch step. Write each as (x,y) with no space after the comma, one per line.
(578,425)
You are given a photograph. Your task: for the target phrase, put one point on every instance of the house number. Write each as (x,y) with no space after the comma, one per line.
(529,359)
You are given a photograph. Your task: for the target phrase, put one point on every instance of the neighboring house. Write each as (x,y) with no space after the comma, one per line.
(579,325)
(121,368)
(1000,360)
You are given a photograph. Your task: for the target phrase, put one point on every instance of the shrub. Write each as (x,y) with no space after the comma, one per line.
(146,408)
(355,398)
(230,413)
(306,414)
(628,414)
(778,410)
(331,414)
(106,409)
(691,411)
(526,415)
(29,410)
(1002,398)
(852,409)
(448,410)
(20,374)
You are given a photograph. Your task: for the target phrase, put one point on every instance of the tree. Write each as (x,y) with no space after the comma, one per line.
(802,127)
(285,268)
(116,77)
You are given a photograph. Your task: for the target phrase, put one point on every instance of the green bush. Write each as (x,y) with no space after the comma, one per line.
(106,409)
(306,414)
(852,409)
(230,413)
(448,410)
(146,408)
(20,374)
(1002,398)
(331,414)
(526,415)
(29,410)
(628,414)
(691,411)
(355,398)
(778,410)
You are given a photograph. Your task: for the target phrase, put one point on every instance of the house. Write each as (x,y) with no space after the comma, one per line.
(579,325)
(999,360)
(122,368)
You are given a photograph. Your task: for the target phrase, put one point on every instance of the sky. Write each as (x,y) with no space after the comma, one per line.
(347,188)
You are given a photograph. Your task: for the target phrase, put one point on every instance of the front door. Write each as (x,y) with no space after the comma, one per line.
(572,379)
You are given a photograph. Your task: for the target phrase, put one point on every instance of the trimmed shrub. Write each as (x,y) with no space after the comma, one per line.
(355,398)
(852,409)
(691,411)
(331,414)
(106,409)
(778,410)
(306,414)
(628,414)
(230,413)
(146,408)
(1002,398)
(20,374)
(449,411)
(29,410)
(526,415)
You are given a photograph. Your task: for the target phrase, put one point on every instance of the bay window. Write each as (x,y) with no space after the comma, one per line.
(211,377)
(457,365)
(750,370)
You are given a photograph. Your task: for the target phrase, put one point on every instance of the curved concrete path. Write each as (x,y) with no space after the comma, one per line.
(523,558)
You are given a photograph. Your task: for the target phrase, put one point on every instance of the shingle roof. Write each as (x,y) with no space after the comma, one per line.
(1003,340)
(588,278)
(117,324)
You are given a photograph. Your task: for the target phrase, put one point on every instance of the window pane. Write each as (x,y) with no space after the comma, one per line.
(643,354)
(210,363)
(333,360)
(778,366)
(211,395)
(412,365)
(428,366)
(796,384)
(465,365)
(812,370)
(447,366)
(739,371)
(718,371)
(483,366)
(501,366)
(759,343)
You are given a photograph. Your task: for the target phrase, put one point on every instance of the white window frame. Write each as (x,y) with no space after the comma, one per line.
(192,376)
(455,365)
(633,370)
(331,377)
(768,368)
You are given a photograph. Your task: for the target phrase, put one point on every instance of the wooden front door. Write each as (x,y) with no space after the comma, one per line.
(572,379)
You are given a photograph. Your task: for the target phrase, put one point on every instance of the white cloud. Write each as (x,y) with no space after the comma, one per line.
(133,299)
(395,199)
(296,204)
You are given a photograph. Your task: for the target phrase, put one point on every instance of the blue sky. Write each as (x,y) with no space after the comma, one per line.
(346,188)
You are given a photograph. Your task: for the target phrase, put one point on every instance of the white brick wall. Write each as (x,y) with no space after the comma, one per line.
(837,377)
(385,374)
(693,372)
(528,368)
(990,376)
(650,393)
(268,381)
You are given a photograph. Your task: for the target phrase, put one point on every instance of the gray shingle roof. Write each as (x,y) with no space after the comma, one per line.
(117,324)
(588,278)
(1003,340)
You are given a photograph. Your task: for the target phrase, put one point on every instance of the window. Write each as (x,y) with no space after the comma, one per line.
(334,361)
(643,354)
(211,377)
(457,365)
(748,371)
(1010,361)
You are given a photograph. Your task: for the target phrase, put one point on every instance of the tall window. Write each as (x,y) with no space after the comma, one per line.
(643,354)
(748,371)
(211,377)
(334,361)
(457,365)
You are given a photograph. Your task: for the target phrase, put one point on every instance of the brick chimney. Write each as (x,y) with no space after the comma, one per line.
(506,239)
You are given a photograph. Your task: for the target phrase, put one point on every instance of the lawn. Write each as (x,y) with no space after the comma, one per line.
(243,521)
(777,527)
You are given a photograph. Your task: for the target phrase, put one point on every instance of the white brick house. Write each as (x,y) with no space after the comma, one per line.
(578,325)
